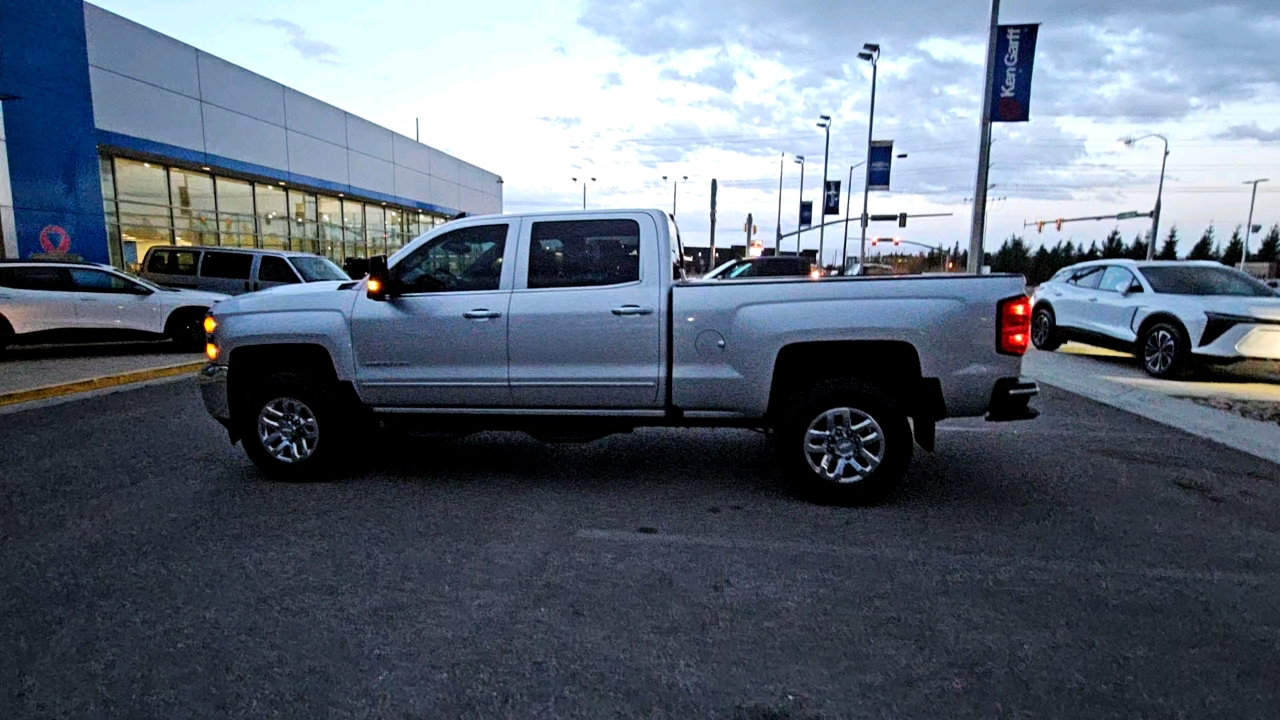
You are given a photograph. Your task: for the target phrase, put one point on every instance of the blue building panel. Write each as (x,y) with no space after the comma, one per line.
(53,155)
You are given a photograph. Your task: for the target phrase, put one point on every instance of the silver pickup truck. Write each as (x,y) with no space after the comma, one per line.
(573,326)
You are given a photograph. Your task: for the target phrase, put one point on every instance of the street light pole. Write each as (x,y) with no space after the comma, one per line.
(777,232)
(584,191)
(824,123)
(871,53)
(848,205)
(674,188)
(1249,226)
(1155,212)
(800,159)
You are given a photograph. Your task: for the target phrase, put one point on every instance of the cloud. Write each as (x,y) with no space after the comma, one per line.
(306,45)
(720,75)
(1249,132)
(564,123)
(611,79)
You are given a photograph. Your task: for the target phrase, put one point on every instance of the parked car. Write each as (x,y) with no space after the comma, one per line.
(1172,315)
(234,270)
(43,302)
(869,269)
(573,326)
(765,266)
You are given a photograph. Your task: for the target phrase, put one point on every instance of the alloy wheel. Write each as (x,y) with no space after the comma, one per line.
(844,445)
(1160,351)
(288,430)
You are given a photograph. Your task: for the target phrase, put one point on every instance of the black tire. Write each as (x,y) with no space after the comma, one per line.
(6,335)
(851,404)
(314,424)
(1045,334)
(1164,350)
(186,329)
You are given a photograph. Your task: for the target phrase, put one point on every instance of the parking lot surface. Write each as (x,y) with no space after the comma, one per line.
(1089,564)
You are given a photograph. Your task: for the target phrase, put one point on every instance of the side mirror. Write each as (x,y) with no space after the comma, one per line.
(377,284)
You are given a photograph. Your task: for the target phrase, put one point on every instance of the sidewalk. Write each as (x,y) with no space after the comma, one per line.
(1117,380)
(42,372)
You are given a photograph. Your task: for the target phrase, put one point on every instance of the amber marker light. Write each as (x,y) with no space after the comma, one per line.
(210,324)
(211,351)
(375,285)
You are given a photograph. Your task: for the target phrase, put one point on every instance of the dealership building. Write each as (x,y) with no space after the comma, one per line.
(116,138)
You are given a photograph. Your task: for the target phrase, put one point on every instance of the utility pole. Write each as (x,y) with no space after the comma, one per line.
(1248,228)
(777,234)
(750,224)
(978,227)
(799,159)
(712,263)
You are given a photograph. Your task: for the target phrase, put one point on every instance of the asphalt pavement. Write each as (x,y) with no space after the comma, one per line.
(1088,564)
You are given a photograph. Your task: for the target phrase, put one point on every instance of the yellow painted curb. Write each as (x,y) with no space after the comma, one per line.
(97,383)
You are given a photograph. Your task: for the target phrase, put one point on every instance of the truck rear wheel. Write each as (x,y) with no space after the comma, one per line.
(291,428)
(844,443)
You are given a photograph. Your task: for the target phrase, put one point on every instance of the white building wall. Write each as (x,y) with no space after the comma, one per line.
(151,86)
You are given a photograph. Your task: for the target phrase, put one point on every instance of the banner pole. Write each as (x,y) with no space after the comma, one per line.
(978,225)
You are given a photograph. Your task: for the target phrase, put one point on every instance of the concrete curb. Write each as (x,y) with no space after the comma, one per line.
(1257,438)
(97,383)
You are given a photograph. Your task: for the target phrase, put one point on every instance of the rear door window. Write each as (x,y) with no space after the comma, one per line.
(275,269)
(232,266)
(35,278)
(584,253)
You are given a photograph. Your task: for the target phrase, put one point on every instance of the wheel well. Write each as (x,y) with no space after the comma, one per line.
(299,358)
(893,365)
(1044,304)
(5,327)
(181,314)
(1161,317)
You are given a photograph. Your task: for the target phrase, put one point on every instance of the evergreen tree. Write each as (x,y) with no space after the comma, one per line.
(1091,254)
(1138,250)
(1113,246)
(1269,250)
(1169,250)
(1235,248)
(1203,249)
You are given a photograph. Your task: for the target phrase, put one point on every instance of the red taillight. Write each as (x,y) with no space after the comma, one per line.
(1014,331)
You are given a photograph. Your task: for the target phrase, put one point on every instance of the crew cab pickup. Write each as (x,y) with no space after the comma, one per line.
(572,326)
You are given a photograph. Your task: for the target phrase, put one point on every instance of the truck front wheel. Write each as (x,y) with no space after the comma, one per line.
(290,429)
(844,443)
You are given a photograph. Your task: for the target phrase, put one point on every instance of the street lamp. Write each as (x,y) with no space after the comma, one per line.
(848,205)
(1249,227)
(584,191)
(777,236)
(673,192)
(824,122)
(1155,213)
(870,53)
(799,218)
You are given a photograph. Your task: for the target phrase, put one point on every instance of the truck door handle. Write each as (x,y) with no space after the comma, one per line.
(481,314)
(633,310)
(1093,299)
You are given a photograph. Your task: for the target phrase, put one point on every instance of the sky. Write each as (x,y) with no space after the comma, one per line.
(627,91)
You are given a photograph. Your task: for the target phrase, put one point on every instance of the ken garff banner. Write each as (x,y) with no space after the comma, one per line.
(806,213)
(880,162)
(831,198)
(1015,52)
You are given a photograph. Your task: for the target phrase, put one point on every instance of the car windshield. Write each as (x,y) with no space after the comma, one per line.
(316,269)
(1188,280)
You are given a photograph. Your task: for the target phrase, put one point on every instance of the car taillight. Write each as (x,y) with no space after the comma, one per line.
(1014,331)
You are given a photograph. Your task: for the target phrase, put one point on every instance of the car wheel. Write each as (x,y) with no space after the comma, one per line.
(186,330)
(1044,330)
(844,443)
(6,335)
(291,428)
(1164,350)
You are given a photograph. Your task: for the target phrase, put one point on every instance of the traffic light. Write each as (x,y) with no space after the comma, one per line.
(897,241)
(1059,224)
(875,241)
(1040,227)
(902,219)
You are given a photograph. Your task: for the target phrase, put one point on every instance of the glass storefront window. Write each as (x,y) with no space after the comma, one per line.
(303,230)
(330,210)
(107,176)
(353,224)
(194,212)
(235,213)
(143,194)
(272,209)
(375,227)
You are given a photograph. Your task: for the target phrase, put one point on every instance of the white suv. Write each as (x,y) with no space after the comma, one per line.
(1170,314)
(44,301)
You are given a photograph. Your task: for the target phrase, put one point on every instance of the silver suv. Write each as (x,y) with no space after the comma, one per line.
(234,270)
